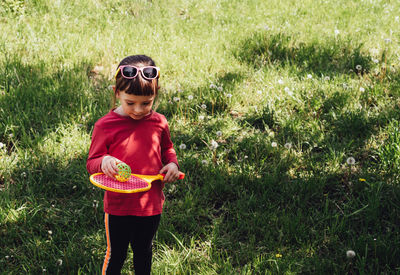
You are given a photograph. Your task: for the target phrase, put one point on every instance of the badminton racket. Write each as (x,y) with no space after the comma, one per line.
(136,183)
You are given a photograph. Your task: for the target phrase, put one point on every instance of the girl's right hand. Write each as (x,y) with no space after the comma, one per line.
(109,166)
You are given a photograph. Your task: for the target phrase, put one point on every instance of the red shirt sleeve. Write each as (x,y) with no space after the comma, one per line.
(98,150)
(168,153)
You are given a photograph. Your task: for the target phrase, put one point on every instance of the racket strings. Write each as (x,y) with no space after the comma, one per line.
(132,184)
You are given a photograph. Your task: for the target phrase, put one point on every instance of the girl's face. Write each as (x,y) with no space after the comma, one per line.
(135,106)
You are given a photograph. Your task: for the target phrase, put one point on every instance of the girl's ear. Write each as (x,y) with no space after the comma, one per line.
(116,92)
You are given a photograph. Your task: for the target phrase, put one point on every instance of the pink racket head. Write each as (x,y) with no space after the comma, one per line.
(133,185)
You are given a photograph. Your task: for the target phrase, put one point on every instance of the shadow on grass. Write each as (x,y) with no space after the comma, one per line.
(40,194)
(57,215)
(259,207)
(333,57)
(35,100)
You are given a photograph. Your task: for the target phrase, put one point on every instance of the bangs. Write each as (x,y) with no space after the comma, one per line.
(137,86)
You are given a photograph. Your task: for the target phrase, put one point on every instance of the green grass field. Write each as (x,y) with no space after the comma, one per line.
(284,114)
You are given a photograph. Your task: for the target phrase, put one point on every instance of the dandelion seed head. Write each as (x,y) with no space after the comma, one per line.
(190,97)
(220,89)
(219,133)
(204,162)
(309,76)
(350,161)
(182,146)
(274,144)
(177,99)
(337,31)
(358,67)
(59,262)
(280,81)
(288,145)
(214,145)
(203,106)
(362,89)
(327,78)
(350,254)
(201,117)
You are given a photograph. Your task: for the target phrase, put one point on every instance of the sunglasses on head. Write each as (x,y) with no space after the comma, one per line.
(130,72)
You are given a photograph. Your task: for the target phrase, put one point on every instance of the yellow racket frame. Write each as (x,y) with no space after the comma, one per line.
(147,178)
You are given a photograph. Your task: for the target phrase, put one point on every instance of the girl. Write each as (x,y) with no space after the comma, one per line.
(135,134)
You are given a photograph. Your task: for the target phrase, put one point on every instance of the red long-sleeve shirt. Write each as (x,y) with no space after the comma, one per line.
(145,145)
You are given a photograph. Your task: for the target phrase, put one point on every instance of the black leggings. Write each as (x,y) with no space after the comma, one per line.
(124,230)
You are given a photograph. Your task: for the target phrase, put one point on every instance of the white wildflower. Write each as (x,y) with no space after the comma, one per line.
(201,117)
(287,89)
(190,97)
(274,144)
(350,254)
(182,146)
(280,81)
(337,31)
(351,161)
(362,89)
(309,76)
(50,232)
(1,145)
(213,145)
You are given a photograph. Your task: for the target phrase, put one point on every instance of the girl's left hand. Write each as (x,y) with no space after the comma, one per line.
(171,172)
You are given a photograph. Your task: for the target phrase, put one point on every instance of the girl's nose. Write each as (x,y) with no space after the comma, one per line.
(138,109)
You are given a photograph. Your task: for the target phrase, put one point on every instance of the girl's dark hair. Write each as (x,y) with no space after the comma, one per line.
(137,85)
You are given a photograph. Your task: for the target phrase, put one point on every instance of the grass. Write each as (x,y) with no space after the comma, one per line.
(289,91)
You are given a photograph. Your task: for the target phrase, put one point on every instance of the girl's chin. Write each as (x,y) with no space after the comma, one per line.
(137,116)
